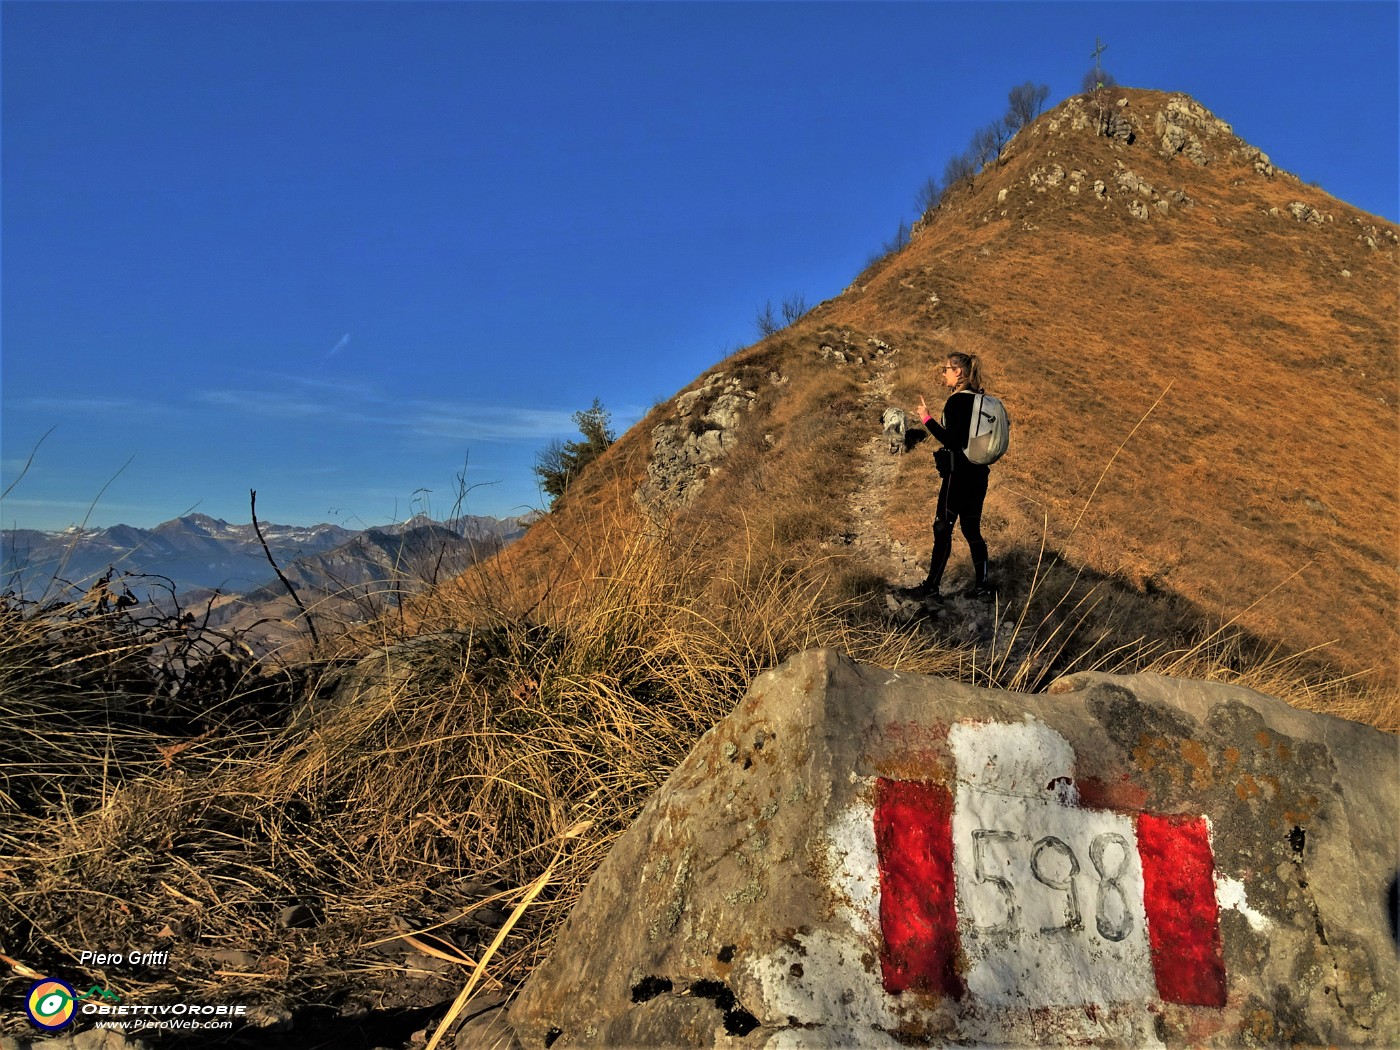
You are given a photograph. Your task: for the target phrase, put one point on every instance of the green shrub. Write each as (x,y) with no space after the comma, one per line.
(561,462)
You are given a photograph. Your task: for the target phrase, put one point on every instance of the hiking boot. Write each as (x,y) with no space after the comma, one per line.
(921,592)
(980,592)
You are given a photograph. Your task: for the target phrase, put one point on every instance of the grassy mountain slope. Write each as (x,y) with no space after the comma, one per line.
(1203,387)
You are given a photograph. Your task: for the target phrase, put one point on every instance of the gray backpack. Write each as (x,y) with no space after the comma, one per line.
(990,430)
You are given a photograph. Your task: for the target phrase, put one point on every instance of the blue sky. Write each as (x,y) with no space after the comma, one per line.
(339,252)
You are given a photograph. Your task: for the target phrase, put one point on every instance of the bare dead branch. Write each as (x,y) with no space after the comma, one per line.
(310,626)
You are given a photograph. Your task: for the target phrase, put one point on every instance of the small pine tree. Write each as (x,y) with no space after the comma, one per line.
(559,464)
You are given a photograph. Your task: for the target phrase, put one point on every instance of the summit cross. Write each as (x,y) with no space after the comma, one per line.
(1099,48)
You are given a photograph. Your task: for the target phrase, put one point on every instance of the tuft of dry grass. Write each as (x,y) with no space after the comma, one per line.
(422,788)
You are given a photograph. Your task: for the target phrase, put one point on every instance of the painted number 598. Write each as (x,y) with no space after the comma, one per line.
(1113,917)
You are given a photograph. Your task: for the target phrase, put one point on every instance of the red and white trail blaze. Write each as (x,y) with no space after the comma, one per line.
(1011,893)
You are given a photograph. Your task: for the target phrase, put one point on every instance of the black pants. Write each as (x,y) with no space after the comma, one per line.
(960,498)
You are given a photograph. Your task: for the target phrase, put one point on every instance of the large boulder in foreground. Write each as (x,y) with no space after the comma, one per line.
(861,858)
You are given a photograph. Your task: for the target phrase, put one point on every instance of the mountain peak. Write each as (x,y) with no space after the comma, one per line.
(1146,150)
(1170,319)
(200,522)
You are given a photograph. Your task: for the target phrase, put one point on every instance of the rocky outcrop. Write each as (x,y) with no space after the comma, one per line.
(842,349)
(1182,127)
(1043,179)
(857,857)
(686,451)
(1176,128)
(1304,213)
(1117,126)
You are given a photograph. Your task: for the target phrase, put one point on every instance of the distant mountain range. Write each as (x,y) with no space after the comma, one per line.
(199,555)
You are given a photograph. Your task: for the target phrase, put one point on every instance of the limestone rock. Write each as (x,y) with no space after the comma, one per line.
(879,348)
(857,857)
(1131,182)
(1256,159)
(686,452)
(1117,126)
(1043,177)
(1304,213)
(1181,125)
(1076,114)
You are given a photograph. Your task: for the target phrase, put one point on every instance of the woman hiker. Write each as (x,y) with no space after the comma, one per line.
(964,485)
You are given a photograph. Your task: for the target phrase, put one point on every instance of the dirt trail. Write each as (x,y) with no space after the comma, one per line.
(879,471)
(983,624)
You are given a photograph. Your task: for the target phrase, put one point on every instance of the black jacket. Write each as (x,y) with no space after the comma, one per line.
(953,432)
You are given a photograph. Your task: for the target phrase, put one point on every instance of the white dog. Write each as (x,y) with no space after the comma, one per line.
(896,422)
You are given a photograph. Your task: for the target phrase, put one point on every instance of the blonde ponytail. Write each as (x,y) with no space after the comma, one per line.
(972,369)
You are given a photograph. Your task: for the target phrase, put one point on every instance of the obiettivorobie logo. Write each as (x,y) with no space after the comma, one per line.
(51,1004)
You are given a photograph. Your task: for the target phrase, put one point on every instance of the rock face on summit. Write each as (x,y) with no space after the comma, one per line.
(861,858)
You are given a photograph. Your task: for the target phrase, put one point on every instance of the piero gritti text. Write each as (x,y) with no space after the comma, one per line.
(123,958)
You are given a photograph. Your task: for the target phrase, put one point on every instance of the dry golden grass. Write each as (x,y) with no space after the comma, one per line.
(469,751)
(511,734)
(1275,448)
